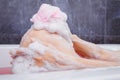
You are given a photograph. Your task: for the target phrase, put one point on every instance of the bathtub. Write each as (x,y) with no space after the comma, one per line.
(108,73)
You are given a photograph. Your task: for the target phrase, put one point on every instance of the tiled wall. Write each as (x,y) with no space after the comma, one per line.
(112,30)
(96,21)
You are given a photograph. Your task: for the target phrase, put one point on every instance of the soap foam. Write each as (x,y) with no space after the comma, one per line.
(25,62)
(52,19)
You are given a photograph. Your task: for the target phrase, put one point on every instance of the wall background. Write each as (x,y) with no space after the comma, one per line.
(96,21)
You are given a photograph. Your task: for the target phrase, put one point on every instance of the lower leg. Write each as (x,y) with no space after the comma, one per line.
(90,50)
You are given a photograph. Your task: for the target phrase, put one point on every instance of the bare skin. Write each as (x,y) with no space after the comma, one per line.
(56,42)
(90,50)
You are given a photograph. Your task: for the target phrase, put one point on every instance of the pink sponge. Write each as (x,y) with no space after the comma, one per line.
(48,12)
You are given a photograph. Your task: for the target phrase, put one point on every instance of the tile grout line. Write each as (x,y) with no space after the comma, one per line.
(105,22)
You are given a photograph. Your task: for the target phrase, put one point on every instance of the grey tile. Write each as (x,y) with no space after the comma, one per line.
(93,39)
(112,39)
(9,38)
(84,16)
(112,33)
(113,18)
(92,20)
